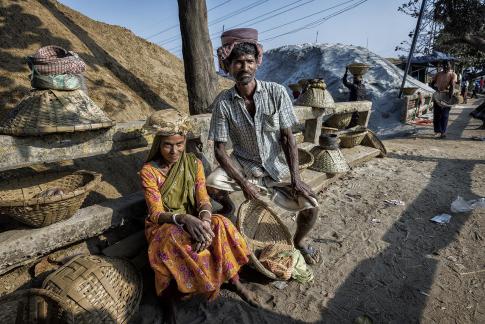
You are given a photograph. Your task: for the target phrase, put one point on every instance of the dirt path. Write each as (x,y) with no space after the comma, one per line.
(388,262)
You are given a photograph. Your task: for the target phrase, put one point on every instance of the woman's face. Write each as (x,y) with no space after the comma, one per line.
(172,147)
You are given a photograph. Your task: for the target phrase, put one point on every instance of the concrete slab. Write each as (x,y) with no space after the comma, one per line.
(20,246)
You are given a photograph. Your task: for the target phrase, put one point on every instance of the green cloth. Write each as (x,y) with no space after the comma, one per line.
(300,271)
(178,190)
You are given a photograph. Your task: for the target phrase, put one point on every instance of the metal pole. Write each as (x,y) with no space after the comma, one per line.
(413,45)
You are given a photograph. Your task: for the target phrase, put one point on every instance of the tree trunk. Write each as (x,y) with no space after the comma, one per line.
(200,73)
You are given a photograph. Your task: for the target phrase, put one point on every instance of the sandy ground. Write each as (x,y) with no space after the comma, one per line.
(387,262)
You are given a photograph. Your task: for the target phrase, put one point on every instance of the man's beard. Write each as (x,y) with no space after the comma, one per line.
(244,77)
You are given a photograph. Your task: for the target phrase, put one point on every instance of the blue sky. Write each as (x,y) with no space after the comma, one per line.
(373,23)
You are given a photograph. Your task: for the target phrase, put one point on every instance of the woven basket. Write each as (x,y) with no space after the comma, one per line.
(260,227)
(352,139)
(328,161)
(50,111)
(34,306)
(409,90)
(358,68)
(371,139)
(312,97)
(339,121)
(305,159)
(329,130)
(17,196)
(98,289)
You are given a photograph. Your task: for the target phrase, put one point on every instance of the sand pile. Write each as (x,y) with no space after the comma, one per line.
(127,76)
(288,64)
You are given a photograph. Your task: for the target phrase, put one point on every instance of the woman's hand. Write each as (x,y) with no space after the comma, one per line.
(200,231)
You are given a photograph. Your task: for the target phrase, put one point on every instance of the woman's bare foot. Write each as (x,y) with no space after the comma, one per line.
(247,295)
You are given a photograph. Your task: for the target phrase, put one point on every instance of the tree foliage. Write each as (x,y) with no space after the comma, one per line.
(459,27)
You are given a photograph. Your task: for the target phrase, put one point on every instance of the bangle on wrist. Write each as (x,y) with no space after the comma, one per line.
(174,219)
(205,210)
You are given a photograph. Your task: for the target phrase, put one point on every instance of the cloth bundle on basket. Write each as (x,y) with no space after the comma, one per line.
(97,289)
(58,103)
(54,67)
(285,262)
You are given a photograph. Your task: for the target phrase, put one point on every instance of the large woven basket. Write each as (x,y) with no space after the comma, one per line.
(371,139)
(352,139)
(19,197)
(358,68)
(34,306)
(329,130)
(305,159)
(260,227)
(98,289)
(328,161)
(339,121)
(50,111)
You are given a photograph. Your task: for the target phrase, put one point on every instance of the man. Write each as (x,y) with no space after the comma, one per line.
(443,82)
(357,93)
(258,116)
(357,88)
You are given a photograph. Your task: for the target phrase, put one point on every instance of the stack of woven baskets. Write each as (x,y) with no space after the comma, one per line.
(328,158)
(58,102)
(87,289)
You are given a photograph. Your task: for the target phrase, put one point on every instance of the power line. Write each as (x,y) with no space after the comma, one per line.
(257,17)
(221,19)
(318,21)
(176,25)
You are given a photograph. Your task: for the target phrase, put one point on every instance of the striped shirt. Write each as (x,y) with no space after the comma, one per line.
(256,143)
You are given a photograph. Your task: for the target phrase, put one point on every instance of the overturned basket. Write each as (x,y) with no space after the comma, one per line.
(339,121)
(260,227)
(329,130)
(22,199)
(305,159)
(329,161)
(34,306)
(352,139)
(371,139)
(97,289)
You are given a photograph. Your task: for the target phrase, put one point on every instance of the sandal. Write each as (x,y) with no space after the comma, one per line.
(311,255)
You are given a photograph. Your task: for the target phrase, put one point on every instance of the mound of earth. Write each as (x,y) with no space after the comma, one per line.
(127,77)
(288,64)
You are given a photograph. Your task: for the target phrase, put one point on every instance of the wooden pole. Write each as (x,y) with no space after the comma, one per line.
(200,73)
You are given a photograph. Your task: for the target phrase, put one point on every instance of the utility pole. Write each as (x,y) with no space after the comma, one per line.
(413,45)
(200,72)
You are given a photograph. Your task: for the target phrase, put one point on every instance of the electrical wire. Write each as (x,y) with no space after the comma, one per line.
(176,25)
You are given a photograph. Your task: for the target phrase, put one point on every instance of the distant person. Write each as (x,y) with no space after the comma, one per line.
(357,88)
(443,82)
(476,89)
(482,84)
(357,93)
(464,89)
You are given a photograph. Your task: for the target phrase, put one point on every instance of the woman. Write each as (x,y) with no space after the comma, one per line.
(188,245)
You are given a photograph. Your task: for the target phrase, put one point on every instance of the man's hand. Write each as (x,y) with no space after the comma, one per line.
(299,187)
(250,191)
(199,230)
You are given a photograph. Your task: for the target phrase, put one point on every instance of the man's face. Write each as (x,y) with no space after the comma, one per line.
(243,68)
(446,66)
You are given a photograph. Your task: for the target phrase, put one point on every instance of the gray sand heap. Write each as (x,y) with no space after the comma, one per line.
(290,63)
